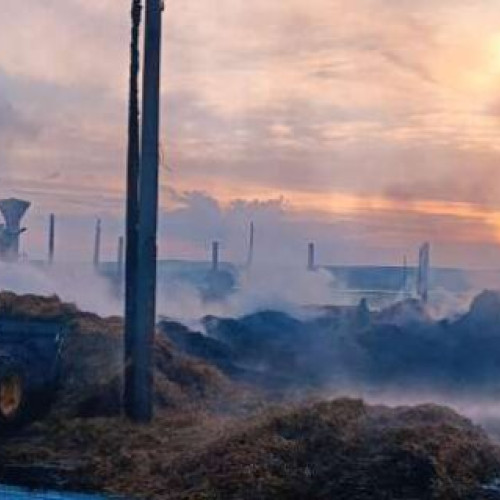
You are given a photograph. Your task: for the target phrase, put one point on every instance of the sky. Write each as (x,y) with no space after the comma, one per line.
(368,126)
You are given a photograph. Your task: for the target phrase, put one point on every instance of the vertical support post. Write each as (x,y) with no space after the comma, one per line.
(405,275)
(52,237)
(97,245)
(251,246)
(311,257)
(119,266)
(141,396)
(215,256)
(423,272)
(132,213)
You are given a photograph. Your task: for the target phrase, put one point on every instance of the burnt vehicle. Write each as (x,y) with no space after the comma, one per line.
(30,354)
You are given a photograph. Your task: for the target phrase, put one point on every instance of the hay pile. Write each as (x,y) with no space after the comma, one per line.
(214,439)
(92,362)
(343,450)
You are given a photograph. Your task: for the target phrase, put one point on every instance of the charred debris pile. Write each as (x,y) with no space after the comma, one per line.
(401,346)
(228,420)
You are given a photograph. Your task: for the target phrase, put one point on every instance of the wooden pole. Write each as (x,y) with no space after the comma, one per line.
(133,166)
(145,294)
(119,267)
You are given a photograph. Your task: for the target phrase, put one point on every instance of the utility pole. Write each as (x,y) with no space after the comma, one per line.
(119,267)
(140,392)
(52,236)
(132,211)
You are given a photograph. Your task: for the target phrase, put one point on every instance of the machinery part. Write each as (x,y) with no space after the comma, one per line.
(13,211)
(12,393)
(30,355)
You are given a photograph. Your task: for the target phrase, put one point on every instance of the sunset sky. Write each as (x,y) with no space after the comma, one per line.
(366,125)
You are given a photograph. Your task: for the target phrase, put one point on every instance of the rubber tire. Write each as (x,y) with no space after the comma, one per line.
(9,368)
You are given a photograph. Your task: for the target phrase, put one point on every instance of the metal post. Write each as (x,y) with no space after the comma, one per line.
(52,237)
(251,246)
(405,275)
(97,244)
(141,395)
(423,272)
(311,265)
(215,256)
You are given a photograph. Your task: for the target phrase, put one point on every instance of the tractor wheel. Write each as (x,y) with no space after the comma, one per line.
(12,393)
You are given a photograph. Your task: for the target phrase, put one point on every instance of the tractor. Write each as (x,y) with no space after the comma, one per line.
(30,360)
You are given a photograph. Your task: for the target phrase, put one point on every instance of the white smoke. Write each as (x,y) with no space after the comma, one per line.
(280,288)
(76,283)
(446,304)
(285,289)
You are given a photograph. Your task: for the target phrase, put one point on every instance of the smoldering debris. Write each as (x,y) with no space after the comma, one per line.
(400,347)
(220,432)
